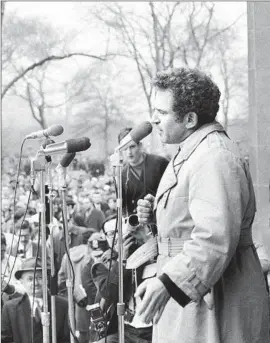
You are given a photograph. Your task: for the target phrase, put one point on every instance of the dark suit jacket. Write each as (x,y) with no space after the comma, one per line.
(18,325)
(134,189)
(92,221)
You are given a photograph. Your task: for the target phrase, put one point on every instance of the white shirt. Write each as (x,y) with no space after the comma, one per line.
(34,303)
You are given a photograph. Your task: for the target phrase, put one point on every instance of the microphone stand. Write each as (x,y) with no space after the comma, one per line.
(117,163)
(39,165)
(69,282)
(53,276)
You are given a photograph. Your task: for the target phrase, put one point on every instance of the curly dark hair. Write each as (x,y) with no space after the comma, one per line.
(193,91)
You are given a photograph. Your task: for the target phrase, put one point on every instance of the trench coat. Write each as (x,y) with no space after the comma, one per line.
(79,258)
(205,206)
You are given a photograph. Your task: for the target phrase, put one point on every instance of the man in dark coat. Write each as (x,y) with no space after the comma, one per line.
(140,175)
(21,317)
(88,216)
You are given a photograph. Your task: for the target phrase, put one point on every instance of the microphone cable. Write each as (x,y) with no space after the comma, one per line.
(14,206)
(111,257)
(34,284)
(17,249)
(73,275)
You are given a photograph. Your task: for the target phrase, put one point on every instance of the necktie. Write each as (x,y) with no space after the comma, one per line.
(37,312)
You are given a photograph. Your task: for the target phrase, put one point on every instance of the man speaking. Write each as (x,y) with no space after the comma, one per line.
(210,286)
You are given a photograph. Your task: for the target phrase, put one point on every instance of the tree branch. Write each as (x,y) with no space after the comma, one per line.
(41,62)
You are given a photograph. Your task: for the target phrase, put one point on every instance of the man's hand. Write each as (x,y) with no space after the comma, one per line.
(145,209)
(154,299)
(128,241)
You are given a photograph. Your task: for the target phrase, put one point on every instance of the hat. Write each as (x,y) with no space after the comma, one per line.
(19,213)
(28,265)
(70,202)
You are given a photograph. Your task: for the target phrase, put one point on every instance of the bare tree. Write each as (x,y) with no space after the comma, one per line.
(167,35)
(28,45)
(43,61)
(233,72)
(97,107)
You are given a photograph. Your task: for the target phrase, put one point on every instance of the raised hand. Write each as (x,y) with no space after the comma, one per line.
(145,209)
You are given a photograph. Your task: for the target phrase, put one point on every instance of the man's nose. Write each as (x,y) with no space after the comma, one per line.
(155,119)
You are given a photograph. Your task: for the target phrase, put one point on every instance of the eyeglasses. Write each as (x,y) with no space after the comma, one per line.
(36,278)
(110,233)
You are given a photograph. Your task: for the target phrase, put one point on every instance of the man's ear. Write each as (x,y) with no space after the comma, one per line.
(191,120)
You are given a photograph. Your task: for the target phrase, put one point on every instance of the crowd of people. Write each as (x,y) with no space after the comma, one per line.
(91,218)
(191,271)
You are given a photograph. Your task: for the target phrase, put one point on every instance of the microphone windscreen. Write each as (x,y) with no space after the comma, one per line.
(55,130)
(80,144)
(141,131)
(67,159)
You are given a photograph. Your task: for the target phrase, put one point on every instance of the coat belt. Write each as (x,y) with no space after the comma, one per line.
(171,246)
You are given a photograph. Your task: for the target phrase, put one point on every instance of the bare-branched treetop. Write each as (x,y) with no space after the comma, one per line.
(96,89)
(161,35)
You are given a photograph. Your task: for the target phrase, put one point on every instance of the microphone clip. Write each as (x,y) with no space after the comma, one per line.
(116,159)
(38,163)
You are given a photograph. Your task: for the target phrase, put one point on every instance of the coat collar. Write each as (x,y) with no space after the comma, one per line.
(191,143)
(185,150)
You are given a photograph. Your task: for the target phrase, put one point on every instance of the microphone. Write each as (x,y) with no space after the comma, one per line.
(53,130)
(135,135)
(70,146)
(67,159)
(61,167)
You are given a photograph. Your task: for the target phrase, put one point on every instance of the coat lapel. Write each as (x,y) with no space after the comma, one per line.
(169,179)
(24,319)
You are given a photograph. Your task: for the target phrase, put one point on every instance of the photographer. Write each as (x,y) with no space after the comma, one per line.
(108,292)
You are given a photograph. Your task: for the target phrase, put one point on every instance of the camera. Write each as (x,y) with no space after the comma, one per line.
(98,322)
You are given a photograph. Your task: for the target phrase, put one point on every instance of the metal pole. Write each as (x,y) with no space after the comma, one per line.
(53,277)
(39,165)
(117,162)
(70,280)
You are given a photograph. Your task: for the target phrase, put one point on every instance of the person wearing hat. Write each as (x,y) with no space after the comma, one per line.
(21,317)
(140,175)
